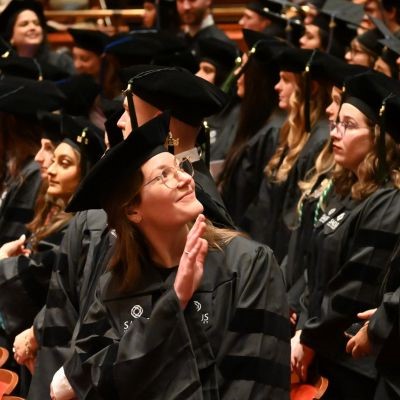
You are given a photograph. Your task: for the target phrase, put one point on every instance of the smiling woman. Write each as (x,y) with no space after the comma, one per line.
(182,301)
(23,25)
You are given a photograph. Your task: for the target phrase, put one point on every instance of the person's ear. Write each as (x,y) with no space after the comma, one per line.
(133,215)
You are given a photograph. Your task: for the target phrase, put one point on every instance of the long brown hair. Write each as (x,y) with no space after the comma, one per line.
(259,101)
(131,245)
(50,216)
(19,142)
(293,135)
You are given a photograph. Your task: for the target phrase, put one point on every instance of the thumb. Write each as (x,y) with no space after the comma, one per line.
(22,238)
(366,314)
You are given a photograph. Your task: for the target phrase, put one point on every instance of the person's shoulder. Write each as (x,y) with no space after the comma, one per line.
(383,200)
(242,248)
(214,31)
(31,167)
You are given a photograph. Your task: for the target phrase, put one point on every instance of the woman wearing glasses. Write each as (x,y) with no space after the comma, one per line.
(186,310)
(352,239)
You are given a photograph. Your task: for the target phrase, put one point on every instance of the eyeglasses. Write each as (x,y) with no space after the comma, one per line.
(343,127)
(170,175)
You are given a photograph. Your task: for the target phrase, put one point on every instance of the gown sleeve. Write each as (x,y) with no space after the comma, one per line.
(254,358)
(17,209)
(366,250)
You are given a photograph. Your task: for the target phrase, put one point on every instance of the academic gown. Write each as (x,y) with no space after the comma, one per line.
(384,332)
(247,174)
(231,342)
(363,248)
(223,129)
(321,262)
(17,207)
(24,283)
(273,213)
(211,31)
(294,266)
(71,285)
(208,195)
(68,287)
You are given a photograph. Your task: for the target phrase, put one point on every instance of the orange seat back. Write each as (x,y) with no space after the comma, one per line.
(4,354)
(8,380)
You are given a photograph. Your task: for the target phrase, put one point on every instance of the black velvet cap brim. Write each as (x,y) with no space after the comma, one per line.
(119,162)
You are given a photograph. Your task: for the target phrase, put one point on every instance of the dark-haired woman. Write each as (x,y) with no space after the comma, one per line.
(23,25)
(20,178)
(166,311)
(24,280)
(255,138)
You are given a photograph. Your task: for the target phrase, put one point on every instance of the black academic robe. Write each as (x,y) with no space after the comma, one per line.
(69,283)
(209,197)
(211,31)
(75,273)
(17,207)
(223,129)
(294,266)
(384,332)
(363,248)
(273,213)
(242,187)
(24,282)
(231,342)
(321,262)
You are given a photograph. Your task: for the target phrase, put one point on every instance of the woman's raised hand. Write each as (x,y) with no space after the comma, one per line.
(190,270)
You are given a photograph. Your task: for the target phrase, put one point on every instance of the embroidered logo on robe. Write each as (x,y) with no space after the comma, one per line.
(204,316)
(340,216)
(136,311)
(197,305)
(333,224)
(324,218)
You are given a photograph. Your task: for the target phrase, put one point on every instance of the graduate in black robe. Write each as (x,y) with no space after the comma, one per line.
(379,333)
(257,134)
(273,212)
(355,244)
(20,178)
(223,335)
(317,188)
(190,100)
(78,266)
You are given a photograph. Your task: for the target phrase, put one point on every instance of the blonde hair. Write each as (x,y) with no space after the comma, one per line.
(293,135)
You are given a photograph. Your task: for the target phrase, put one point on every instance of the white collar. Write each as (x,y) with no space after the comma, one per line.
(192,155)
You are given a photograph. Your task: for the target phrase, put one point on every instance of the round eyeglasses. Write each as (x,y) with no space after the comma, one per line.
(170,175)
